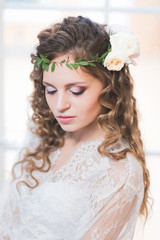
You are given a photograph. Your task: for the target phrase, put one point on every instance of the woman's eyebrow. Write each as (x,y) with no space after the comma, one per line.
(67,85)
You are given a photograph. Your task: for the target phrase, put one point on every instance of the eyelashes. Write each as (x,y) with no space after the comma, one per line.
(78,93)
(50,92)
(74,93)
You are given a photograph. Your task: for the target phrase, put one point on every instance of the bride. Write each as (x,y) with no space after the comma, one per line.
(82,175)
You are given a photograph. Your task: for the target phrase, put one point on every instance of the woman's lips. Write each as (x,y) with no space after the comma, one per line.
(65,119)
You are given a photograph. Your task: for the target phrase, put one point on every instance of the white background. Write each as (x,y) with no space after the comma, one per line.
(20,22)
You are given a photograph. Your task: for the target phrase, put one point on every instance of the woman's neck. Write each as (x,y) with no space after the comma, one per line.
(88,133)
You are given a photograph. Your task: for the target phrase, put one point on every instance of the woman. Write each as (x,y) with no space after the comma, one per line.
(83,173)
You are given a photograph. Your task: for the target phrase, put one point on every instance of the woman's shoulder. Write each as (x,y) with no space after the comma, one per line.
(127,171)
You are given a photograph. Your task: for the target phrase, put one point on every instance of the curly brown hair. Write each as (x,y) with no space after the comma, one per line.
(81,37)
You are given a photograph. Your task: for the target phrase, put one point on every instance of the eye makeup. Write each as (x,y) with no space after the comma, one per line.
(50,90)
(76,90)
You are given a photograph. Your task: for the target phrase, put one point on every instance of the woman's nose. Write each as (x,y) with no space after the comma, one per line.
(63,102)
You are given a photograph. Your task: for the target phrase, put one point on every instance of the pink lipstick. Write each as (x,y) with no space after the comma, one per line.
(65,118)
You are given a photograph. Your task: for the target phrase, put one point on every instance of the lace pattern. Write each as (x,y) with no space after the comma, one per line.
(89,198)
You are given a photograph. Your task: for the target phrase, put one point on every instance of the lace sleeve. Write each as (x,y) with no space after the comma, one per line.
(118,196)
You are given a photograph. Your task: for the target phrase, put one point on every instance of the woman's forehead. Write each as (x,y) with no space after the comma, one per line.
(62,75)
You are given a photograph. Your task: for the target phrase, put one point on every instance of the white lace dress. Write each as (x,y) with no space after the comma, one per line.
(89,198)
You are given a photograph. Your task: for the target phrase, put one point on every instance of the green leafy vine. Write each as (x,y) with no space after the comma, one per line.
(45,62)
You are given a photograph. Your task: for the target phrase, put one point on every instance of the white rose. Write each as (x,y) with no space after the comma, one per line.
(125,42)
(113,61)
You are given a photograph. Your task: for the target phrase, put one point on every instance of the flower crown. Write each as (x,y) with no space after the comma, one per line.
(123,48)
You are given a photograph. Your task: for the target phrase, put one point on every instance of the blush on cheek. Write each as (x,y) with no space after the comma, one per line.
(92,108)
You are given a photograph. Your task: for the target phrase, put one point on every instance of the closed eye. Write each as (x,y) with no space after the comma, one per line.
(78,93)
(77,90)
(74,90)
(50,90)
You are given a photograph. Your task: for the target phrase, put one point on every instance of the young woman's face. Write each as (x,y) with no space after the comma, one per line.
(72,96)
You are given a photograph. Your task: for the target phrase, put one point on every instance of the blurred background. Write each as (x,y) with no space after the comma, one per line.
(21,21)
